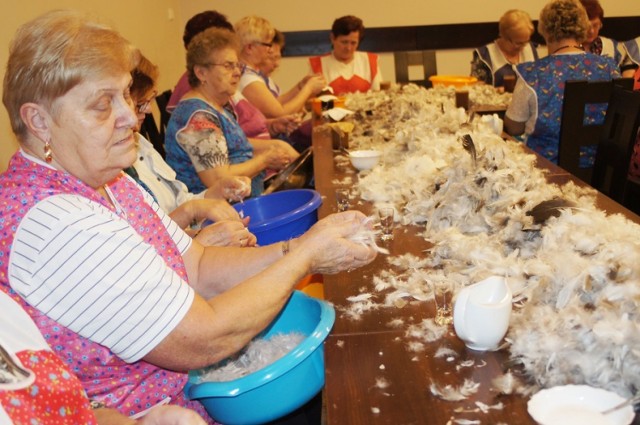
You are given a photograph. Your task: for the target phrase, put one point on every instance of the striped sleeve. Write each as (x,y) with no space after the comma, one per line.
(180,237)
(86,268)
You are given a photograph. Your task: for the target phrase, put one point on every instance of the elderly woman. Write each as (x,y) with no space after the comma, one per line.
(118,290)
(345,69)
(37,387)
(194,26)
(536,106)
(203,141)
(492,62)
(256,39)
(158,178)
(603,46)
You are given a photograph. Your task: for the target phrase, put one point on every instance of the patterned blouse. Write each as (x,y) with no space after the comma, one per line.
(199,138)
(545,80)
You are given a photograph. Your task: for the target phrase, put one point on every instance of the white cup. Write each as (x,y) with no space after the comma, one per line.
(481,313)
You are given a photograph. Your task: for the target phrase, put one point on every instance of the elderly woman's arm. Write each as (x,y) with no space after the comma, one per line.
(255,284)
(258,93)
(521,110)
(275,158)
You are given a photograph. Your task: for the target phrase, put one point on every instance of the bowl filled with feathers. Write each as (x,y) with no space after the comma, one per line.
(280,387)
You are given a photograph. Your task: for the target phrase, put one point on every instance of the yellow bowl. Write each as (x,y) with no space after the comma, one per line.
(452,80)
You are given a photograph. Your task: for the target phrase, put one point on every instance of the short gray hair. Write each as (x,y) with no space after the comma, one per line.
(53,53)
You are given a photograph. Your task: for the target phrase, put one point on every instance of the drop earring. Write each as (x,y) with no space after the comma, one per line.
(48,153)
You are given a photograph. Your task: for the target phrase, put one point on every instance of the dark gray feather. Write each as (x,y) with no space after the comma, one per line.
(549,208)
(469,146)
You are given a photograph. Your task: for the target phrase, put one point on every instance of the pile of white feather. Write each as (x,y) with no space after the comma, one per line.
(257,355)
(575,278)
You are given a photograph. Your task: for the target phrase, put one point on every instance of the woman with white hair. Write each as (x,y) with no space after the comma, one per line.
(492,62)
(256,35)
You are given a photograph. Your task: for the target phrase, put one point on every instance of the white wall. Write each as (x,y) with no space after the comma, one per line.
(148,24)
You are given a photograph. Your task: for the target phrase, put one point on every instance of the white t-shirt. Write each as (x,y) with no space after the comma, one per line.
(87,268)
(160,178)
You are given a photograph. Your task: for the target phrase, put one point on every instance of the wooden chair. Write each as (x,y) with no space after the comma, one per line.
(422,58)
(150,131)
(574,134)
(618,136)
(153,132)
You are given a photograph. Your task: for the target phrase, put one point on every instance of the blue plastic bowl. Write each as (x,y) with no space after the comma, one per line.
(282,215)
(281,387)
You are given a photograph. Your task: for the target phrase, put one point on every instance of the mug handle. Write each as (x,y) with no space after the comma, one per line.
(459,313)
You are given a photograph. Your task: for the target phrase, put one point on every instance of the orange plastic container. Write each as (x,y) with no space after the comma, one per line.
(452,80)
(312,285)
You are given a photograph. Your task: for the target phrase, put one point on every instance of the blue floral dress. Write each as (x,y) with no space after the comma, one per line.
(547,78)
(199,138)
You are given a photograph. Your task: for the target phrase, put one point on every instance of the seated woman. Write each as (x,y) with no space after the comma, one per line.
(603,46)
(492,62)
(120,293)
(184,207)
(344,68)
(300,136)
(256,47)
(536,105)
(37,387)
(194,26)
(203,141)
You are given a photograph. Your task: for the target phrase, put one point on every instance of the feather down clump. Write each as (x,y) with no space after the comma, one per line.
(258,354)
(574,272)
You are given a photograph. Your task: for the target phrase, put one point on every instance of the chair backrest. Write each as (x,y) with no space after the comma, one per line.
(574,133)
(162,100)
(617,139)
(415,66)
(150,131)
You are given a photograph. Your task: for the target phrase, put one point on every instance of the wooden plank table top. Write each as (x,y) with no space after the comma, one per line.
(372,375)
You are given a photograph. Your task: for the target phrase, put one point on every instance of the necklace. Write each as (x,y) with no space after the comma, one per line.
(568,46)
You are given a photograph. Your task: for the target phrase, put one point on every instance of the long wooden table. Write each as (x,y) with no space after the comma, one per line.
(371,376)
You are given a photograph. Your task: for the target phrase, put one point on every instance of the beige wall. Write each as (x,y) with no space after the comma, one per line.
(148,24)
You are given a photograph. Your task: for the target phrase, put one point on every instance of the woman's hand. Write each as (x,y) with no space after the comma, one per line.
(284,124)
(279,155)
(227,233)
(328,244)
(171,415)
(232,188)
(315,84)
(212,209)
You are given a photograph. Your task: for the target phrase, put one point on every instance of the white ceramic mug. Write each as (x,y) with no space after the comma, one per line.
(481,313)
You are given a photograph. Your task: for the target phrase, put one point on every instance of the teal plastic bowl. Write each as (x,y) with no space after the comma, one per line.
(281,387)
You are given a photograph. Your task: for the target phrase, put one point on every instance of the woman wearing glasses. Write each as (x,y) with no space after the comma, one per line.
(492,62)
(159,179)
(256,37)
(603,46)
(204,142)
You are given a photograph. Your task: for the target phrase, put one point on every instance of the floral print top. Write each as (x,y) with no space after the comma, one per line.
(547,77)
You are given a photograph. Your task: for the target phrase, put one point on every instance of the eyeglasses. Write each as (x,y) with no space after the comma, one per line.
(142,107)
(518,43)
(229,66)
